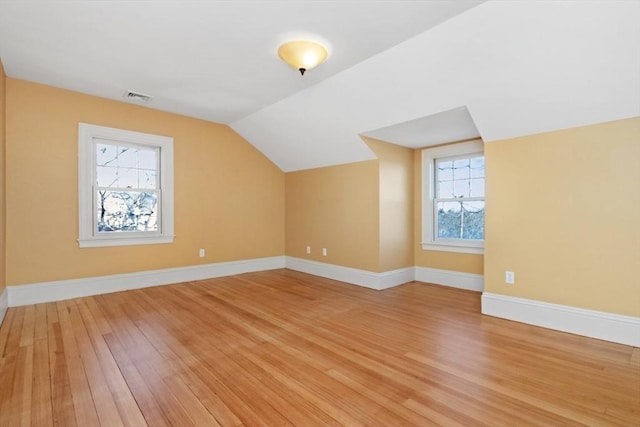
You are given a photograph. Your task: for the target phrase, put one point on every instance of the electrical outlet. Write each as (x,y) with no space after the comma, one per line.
(308,250)
(324,251)
(201,253)
(509,277)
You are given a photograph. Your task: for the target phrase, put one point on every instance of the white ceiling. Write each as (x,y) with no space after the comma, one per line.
(215,60)
(411,72)
(447,126)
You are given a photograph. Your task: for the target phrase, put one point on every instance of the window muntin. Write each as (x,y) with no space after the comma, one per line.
(453,197)
(126,187)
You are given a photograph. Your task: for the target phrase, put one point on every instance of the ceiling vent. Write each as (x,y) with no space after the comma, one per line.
(137,97)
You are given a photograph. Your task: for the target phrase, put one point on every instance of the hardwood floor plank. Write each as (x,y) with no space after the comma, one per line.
(307,391)
(103,401)
(4,331)
(83,404)
(544,404)
(295,408)
(22,386)
(435,416)
(285,348)
(62,401)
(634,357)
(221,367)
(201,382)
(28,326)
(198,413)
(128,409)
(171,407)
(147,402)
(40,327)
(99,321)
(9,375)
(15,331)
(41,409)
(52,312)
(381,399)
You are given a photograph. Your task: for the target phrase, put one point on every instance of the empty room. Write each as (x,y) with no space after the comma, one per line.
(320,213)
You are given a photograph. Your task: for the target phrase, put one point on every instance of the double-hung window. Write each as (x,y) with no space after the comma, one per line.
(125,187)
(453,197)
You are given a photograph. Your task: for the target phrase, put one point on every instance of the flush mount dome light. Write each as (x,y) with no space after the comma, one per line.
(302,55)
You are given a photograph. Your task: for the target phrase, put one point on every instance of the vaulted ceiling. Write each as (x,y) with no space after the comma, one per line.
(415,73)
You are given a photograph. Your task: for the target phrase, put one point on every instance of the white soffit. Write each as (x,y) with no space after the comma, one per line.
(447,126)
(519,67)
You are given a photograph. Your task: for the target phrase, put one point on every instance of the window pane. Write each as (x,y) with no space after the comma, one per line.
(445,189)
(445,170)
(146,179)
(460,220)
(127,157)
(461,188)
(106,155)
(127,178)
(477,187)
(449,220)
(106,176)
(147,159)
(461,169)
(477,167)
(121,211)
(473,220)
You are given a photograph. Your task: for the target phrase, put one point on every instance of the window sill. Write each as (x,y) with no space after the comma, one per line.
(478,250)
(130,241)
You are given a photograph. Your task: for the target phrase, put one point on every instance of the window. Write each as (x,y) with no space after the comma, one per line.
(453,197)
(125,182)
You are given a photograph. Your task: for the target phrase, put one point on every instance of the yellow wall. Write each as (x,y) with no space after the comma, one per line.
(465,263)
(563,213)
(396,204)
(367,214)
(229,199)
(563,208)
(2,177)
(337,208)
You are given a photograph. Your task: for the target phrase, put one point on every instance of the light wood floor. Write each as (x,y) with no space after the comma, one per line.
(283,348)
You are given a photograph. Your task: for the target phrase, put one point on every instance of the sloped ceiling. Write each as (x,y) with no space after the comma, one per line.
(411,72)
(214,60)
(519,68)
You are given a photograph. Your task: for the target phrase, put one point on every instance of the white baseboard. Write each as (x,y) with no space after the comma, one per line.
(590,323)
(454,279)
(4,304)
(75,288)
(365,278)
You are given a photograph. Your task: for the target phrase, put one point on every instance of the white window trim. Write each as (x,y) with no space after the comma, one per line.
(87,235)
(429,155)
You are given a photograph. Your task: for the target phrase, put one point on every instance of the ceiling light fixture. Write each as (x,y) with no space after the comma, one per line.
(302,55)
